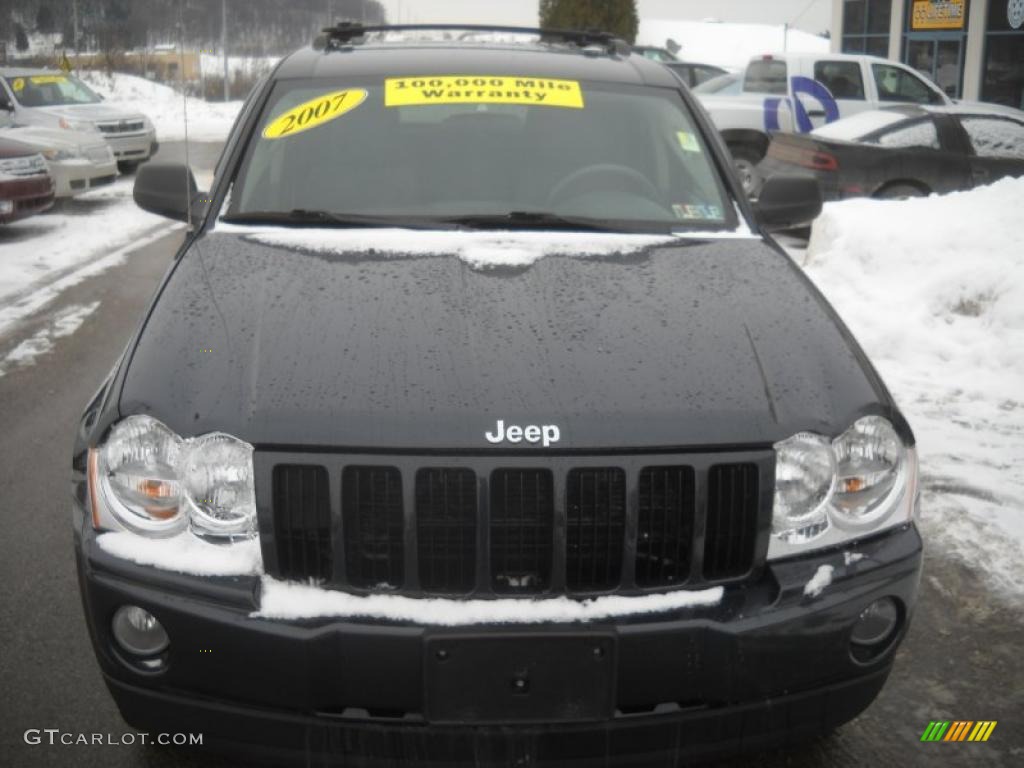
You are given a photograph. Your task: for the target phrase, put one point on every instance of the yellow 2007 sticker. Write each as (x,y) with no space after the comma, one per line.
(314,112)
(18,84)
(481,89)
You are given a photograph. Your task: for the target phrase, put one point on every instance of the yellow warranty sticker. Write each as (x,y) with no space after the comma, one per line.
(314,112)
(481,89)
(688,141)
(18,84)
(46,79)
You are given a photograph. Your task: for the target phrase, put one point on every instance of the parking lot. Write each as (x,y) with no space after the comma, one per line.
(806,323)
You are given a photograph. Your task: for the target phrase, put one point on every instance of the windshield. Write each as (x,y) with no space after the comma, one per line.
(51,90)
(458,147)
(727,83)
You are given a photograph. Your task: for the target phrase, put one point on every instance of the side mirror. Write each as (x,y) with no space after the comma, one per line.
(788,201)
(166,189)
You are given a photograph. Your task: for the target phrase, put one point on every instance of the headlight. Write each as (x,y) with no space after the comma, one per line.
(217,473)
(869,459)
(77,125)
(805,476)
(136,477)
(59,154)
(148,480)
(828,492)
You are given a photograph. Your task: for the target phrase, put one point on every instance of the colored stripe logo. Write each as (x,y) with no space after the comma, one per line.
(958,730)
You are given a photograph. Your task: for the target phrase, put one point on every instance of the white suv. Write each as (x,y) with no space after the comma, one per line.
(54,99)
(798,92)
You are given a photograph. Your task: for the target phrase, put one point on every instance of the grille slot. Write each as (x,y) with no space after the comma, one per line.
(664,525)
(371,504)
(302,522)
(595,526)
(446,529)
(731,520)
(522,528)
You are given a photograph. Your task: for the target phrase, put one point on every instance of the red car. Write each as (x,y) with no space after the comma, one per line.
(26,187)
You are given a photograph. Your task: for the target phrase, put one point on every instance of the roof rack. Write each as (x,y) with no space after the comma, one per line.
(351,33)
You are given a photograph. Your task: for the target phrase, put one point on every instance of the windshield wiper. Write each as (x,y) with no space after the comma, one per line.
(304,217)
(540,220)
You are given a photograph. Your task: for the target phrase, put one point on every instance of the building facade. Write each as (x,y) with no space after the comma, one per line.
(973,49)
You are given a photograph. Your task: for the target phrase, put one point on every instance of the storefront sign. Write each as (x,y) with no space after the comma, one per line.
(938,14)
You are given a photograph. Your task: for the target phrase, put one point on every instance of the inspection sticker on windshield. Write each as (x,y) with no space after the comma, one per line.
(688,141)
(697,212)
(481,89)
(310,114)
(47,79)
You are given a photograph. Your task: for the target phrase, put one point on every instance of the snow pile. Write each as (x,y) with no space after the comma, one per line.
(207,121)
(185,553)
(821,579)
(281,600)
(727,44)
(481,250)
(933,288)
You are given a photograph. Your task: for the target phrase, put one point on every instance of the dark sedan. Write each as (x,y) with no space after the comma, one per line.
(906,151)
(26,187)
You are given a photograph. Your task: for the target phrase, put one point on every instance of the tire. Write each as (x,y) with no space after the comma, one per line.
(900,192)
(127,167)
(745,159)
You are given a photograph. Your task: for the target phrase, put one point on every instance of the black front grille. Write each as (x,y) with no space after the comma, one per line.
(522,529)
(731,520)
(302,522)
(595,527)
(491,526)
(371,506)
(665,518)
(446,529)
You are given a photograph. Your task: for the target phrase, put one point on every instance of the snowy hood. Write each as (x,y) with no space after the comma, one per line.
(621,344)
(94,112)
(53,138)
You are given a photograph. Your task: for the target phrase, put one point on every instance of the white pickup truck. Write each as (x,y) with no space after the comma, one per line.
(797,92)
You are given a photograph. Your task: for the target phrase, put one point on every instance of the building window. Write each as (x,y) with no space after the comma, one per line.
(866,26)
(1003,64)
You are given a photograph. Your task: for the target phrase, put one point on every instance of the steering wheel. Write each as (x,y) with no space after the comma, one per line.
(633,178)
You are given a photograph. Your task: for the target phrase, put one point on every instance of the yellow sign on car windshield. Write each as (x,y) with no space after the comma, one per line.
(481,89)
(47,79)
(314,112)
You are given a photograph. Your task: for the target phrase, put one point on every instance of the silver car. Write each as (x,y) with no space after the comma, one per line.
(78,160)
(54,99)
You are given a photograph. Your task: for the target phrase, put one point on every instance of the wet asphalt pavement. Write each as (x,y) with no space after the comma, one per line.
(962,658)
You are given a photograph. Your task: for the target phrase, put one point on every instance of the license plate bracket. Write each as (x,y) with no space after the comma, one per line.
(519,678)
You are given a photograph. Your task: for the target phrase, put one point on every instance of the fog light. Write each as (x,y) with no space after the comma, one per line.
(876,623)
(138,631)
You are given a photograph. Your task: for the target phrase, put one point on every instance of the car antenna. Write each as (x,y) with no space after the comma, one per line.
(184,109)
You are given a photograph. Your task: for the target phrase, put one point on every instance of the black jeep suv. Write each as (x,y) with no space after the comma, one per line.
(479,421)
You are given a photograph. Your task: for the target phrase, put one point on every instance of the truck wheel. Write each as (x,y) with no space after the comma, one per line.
(127,166)
(745,159)
(900,192)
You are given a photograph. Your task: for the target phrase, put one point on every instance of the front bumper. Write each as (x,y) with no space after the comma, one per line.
(133,148)
(767,665)
(72,177)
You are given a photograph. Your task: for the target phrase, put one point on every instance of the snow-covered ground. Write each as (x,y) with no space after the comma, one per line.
(207,121)
(727,44)
(933,289)
(46,254)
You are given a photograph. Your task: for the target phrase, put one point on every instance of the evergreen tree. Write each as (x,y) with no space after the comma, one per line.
(20,38)
(616,16)
(44,20)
